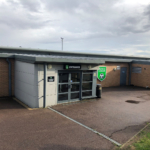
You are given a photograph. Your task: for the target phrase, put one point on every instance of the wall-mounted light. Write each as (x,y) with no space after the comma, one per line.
(89,67)
(49,66)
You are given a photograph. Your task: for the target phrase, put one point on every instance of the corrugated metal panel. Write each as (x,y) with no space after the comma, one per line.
(136,69)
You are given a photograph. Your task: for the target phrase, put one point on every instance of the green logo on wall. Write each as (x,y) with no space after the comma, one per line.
(67,66)
(101,73)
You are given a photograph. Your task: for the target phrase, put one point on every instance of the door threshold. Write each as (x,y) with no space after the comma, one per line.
(67,102)
(79,101)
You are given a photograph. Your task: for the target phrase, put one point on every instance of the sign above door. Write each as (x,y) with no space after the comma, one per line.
(72,66)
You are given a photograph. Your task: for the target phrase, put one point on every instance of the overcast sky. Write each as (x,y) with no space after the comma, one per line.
(99,26)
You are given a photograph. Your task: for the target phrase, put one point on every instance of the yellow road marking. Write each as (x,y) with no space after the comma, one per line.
(24,105)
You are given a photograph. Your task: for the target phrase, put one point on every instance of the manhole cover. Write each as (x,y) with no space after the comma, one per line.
(132,101)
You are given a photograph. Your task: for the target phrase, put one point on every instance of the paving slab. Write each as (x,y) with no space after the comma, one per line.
(112,115)
(42,129)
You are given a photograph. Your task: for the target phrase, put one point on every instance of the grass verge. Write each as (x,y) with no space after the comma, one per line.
(140,142)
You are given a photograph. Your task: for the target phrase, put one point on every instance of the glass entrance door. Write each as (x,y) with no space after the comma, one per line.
(63,87)
(74,91)
(69,87)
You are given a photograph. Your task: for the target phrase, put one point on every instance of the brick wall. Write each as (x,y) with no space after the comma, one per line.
(4,82)
(141,79)
(113,77)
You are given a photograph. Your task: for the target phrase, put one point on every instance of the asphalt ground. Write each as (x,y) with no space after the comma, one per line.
(43,129)
(112,115)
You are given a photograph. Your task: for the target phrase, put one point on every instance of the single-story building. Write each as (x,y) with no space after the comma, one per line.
(41,78)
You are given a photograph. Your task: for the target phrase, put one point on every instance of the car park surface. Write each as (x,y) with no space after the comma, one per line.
(112,115)
(43,129)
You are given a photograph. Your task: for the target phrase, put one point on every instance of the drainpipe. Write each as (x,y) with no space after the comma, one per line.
(130,69)
(45,72)
(9,72)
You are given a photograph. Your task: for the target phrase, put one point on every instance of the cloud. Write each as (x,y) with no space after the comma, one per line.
(104,26)
(31,5)
(15,15)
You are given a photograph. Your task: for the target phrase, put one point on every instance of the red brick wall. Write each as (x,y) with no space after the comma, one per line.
(4,82)
(141,79)
(113,77)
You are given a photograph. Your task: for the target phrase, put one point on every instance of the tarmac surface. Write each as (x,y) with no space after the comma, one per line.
(43,129)
(112,115)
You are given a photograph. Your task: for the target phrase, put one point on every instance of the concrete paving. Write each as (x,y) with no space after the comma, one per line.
(42,129)
(112,115)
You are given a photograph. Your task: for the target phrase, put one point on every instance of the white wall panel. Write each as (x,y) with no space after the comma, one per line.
(29,100)
(24,67)
(40,84)
(51,87)
(26,88)
(26,84)
(25,77)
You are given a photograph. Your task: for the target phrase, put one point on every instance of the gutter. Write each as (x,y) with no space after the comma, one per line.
(9,72)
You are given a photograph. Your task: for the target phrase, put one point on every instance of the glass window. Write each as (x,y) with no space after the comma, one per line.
(75,87)
(87,77)
(63,77)
(87,86)
(88,93)
(75,77)
(74,95)
(63,88)
(62,97)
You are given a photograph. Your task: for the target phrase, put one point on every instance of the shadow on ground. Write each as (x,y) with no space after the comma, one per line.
(9,103)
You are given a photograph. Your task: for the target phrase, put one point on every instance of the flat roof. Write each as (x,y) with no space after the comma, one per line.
(36,58)
(49,52)
(54,56)
(58,59)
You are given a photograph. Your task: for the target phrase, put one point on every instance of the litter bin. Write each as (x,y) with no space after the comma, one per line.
(98,90)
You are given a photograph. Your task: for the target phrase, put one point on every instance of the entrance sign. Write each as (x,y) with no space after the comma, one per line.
(50,79)
(72,66)
(101,73)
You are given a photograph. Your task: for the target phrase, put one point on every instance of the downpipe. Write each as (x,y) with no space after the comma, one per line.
(9,75)
(44,87)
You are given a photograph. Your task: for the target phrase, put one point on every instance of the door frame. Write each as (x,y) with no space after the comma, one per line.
(69,84)
(121,74)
